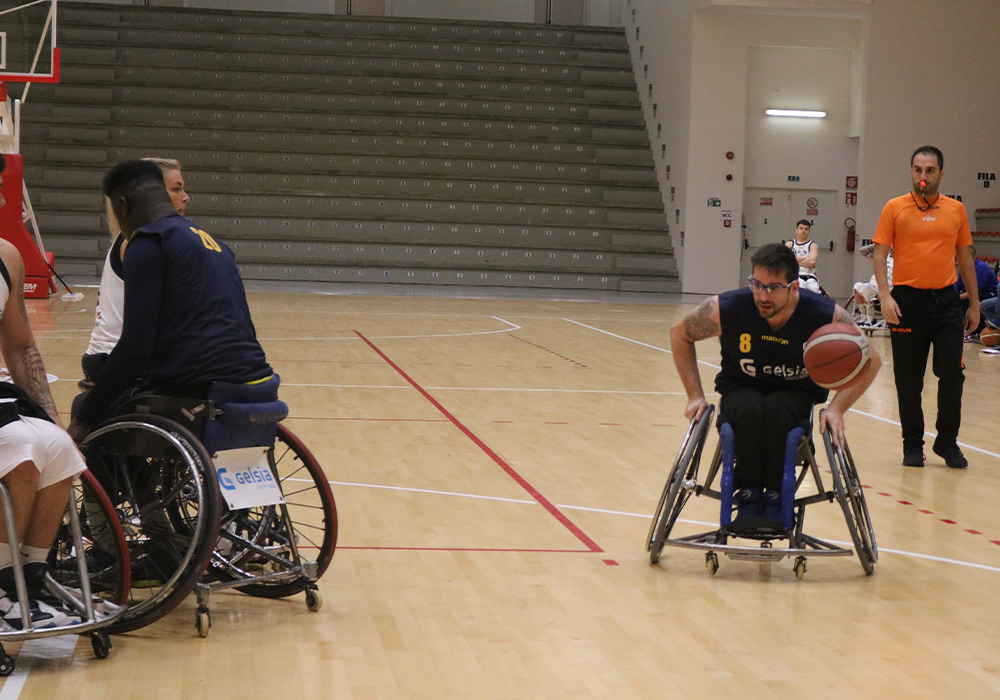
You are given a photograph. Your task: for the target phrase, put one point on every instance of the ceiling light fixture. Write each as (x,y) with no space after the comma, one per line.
(802,113)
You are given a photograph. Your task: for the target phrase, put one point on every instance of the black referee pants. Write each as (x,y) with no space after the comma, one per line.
(928,317)
(761,419)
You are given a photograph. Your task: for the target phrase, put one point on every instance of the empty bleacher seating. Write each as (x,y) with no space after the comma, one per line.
(339,149)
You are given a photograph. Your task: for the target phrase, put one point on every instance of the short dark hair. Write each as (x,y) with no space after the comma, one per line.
(929,151)
(777,258)
(3,163)
(807,222)
(130,174)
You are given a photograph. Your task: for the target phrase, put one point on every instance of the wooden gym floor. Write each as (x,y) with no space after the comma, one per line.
(496,464)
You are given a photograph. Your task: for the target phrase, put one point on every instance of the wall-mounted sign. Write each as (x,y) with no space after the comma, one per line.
(793,178)
(852,182)
(727,218)
(987,178)
(812,203)
(767,201)
(714,202)
(851,199)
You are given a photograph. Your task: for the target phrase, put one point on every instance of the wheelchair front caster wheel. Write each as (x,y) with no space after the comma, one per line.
(100,643)
(712,563)
(6,665)
(800,567)
(203,621)
(314,599)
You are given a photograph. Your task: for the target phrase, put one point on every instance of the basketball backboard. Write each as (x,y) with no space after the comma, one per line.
(28,48)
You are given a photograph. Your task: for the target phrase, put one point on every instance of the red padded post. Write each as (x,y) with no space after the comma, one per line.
(37,276)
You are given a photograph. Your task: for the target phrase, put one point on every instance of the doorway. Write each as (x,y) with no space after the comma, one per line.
(769,216)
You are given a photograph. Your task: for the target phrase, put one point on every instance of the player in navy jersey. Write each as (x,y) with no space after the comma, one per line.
(186,322)
(764,386)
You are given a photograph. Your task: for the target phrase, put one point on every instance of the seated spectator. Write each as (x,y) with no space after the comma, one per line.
(866,293)
(986,282)
(38,461)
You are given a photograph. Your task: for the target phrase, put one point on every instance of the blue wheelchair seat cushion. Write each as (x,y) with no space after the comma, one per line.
(246,415)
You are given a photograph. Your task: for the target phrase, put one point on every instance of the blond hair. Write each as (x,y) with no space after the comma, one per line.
(165,164)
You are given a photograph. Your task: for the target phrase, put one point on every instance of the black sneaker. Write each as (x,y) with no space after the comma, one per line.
(748,503)
(952,455)
(913,456)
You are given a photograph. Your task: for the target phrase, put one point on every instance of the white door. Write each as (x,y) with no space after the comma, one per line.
(769,215)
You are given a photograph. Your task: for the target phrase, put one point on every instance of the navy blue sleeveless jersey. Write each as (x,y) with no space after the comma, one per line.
(754,353)
(186,320)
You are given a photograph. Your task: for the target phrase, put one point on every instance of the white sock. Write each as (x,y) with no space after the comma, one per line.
(30,555)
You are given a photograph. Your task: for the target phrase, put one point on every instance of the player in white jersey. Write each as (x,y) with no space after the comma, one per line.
(38,460)
(111,294)
(807,253)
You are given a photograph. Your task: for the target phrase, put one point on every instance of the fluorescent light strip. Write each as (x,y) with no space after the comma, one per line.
(803,113)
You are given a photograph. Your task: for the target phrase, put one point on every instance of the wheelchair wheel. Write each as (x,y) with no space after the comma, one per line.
(851,497)
(106,549)
(679,484)
(308,520)
(164,488)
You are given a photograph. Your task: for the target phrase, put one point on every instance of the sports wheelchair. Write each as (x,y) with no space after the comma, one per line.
(184,527)
(877,322)
(800,462)
(96,590)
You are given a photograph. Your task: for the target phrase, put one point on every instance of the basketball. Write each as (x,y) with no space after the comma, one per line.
(990,336)
(836,355)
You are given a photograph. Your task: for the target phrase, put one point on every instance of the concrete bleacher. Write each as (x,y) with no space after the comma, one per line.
(338,149)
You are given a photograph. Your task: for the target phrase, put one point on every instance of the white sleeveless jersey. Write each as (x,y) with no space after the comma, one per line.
(803,249)
(4,287)
(110,308)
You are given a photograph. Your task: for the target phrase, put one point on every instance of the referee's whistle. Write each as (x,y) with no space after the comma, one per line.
(923,184)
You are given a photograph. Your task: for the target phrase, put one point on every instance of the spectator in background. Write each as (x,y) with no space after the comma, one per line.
(807,253)
(986,282)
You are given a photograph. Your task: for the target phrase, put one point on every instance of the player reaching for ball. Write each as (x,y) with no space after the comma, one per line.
(765,388)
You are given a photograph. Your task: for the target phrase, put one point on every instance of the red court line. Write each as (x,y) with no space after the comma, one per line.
(471,549)
(372,420)
(544,502)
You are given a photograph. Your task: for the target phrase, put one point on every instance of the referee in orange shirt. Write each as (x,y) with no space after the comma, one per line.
(928,232)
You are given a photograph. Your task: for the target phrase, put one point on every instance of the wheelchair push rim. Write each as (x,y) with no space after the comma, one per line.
(168,504)
(850,495)
(684,470)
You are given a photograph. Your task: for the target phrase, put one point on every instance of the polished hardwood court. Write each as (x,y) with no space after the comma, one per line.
(496,463)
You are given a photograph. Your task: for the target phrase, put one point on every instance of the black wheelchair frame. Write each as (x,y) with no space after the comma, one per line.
(682,483)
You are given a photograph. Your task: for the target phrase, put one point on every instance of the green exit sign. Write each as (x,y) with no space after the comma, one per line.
(793,178)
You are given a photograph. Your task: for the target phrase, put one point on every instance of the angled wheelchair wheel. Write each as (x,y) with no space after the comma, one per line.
(105,546)
(851,496)
(680,483)
(165,492)
(304,528)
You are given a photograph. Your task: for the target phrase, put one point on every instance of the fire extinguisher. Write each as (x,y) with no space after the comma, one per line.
(850,224)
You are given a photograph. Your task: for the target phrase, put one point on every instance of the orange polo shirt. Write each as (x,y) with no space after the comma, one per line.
(923,242)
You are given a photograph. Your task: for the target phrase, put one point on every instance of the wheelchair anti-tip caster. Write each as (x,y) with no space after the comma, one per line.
(712,562)
(203,621)
(314,599)
(800,567)
(6,663)
(100,642)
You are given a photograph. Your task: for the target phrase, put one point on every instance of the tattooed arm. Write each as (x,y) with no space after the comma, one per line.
(697,325)
(832,418)
(17,341)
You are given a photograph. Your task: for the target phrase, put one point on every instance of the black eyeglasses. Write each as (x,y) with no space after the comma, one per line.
(769,288)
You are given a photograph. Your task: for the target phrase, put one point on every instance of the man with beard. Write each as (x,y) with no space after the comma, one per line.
(765,388)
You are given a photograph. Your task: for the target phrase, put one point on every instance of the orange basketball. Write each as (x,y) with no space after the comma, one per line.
(836,355)
(990,336)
